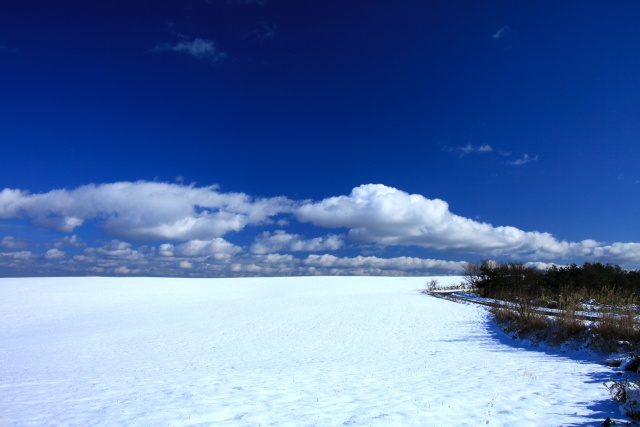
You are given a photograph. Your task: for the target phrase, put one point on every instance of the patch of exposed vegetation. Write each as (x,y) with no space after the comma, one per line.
(595,304)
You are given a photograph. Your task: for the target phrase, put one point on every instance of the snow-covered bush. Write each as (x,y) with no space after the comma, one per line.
(627,394)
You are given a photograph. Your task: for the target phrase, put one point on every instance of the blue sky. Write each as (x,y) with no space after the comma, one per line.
(265,137)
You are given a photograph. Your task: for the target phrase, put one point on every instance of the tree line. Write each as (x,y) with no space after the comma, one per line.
(513,280)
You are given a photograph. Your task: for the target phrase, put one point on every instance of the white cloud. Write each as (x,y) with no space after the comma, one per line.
(502,32)
(539,265)
(188,223)
(8,242)
(54,254)
(124,270)
(467,149)
(166,250)
(221,258)
(281,240)
(486,148)
(11,242)
(10,202)
(216,248)
(375,213)
(398,263)
(280,265)
(276,258)
(523,160)
(197,48)
(21,255)
(267,265)
(69,241)
(144,210)
(116,249)
(114,257)
(618,253)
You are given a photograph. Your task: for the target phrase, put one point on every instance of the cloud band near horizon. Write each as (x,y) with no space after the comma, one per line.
(188,226)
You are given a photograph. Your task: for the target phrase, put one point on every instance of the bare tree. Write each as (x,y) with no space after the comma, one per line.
(472,272)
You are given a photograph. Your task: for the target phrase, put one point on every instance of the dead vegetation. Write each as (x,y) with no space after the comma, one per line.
(563,305)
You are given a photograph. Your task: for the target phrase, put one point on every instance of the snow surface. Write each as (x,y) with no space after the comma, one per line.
(323,351)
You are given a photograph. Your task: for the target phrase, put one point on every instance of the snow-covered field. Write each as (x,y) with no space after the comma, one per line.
(325,351)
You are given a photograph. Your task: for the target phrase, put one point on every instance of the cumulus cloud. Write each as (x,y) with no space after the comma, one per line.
(166,250)
(114,257)
(375,213)
(326,264)
(618,253)
(216,248)
(214,258)
(397,263)
(54,254)
(69,241)
(162,229)
(198,48)
(281,240)
(197,259)
(115,249)
(126,271)
(144,210)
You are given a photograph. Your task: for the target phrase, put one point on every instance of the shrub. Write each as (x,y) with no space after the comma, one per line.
(432,285)
(522,322)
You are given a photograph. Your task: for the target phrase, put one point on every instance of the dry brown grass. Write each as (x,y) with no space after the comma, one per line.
(568,324)
(617,320)
(522,319)
(615,326)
